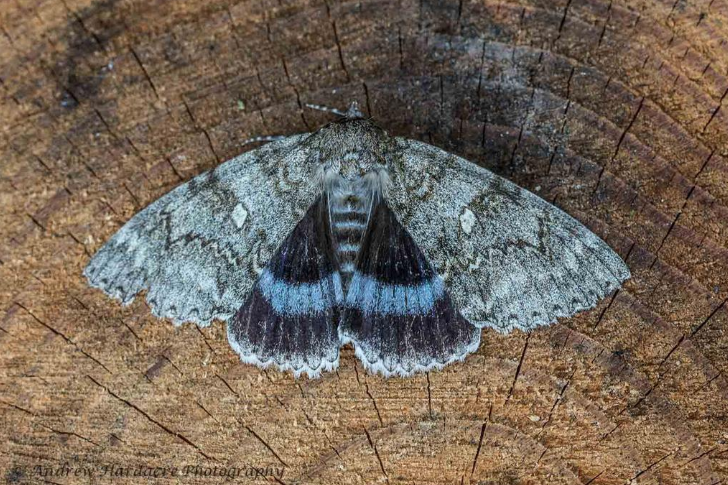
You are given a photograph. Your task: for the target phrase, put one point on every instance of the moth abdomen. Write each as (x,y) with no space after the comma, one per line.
(349,206)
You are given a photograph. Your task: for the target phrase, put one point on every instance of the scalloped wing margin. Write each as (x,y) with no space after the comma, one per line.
(199,249)
(510,260)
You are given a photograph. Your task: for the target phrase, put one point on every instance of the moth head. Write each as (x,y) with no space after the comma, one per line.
(350,147)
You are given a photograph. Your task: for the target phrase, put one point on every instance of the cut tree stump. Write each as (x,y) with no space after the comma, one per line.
(615,111)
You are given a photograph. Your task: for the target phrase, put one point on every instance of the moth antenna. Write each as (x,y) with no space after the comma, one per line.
(351,113)
(325,109)
(264,139)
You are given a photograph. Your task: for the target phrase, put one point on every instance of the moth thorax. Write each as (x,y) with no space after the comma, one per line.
(349,209)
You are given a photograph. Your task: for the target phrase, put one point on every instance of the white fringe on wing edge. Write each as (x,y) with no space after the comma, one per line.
(377,367)
(312,373)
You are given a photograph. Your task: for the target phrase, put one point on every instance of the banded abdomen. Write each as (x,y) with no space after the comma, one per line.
(349,217)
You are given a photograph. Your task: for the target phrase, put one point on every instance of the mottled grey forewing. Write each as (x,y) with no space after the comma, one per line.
(199,249)
(509,258)
(398,314)
(290,317)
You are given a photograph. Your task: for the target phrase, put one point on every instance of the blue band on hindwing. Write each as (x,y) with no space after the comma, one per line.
(372,295)
(303,298)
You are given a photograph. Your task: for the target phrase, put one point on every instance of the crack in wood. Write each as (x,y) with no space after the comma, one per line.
(64,337)
(145,72)
(49,428)
(376,453)
(619,145)
(199,404)
(374,402)
(202,130)
(81,23)
(265,443)
(669,230)
(518,369)
(673,349)
(557,401)
(399,41)
(591,480)
(204,339)
(151,419)
(707,319)
(715,112)
(650,467)
(80,243)
(429,394)
(604,27)
(301,110)
(610,432)
(696,458)
(563,21)
(338,42)
(480,441)
(606,309)
(368,102)
(227,385)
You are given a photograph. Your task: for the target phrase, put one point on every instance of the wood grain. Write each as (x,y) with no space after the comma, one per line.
(616,111)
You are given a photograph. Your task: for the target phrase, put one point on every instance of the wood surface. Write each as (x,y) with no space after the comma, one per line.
(616,111)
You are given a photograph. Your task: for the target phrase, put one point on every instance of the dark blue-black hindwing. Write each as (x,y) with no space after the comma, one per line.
(398,314)
(290,317)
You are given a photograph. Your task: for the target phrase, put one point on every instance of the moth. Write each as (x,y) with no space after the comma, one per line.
(349,235)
